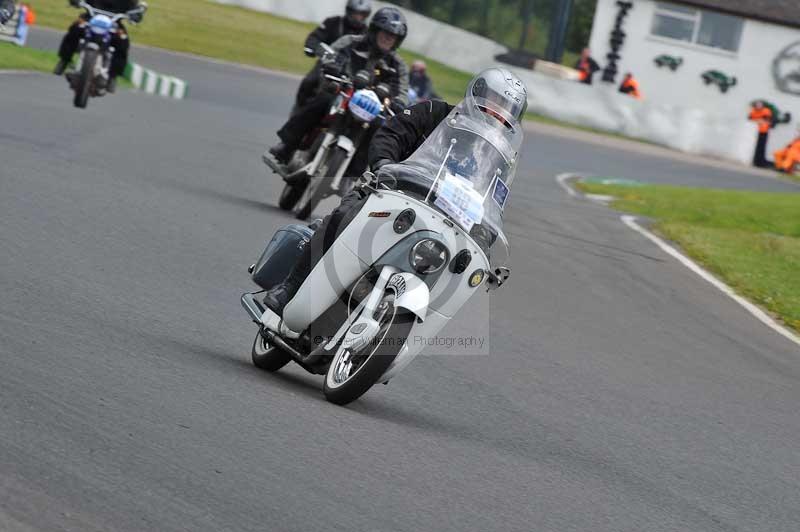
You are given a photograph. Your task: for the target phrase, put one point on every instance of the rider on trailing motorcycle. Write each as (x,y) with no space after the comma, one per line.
(119,41)
(495,94)
(375,53)
(332,29)
(7,9)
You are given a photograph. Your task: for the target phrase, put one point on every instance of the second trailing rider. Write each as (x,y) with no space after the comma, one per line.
(373,53)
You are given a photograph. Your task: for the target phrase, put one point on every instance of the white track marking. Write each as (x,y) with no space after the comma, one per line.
(762,316)
(562,181)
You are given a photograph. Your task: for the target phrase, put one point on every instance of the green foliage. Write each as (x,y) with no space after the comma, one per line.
(504,20)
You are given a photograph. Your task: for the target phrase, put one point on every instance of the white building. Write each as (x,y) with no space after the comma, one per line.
(757,42)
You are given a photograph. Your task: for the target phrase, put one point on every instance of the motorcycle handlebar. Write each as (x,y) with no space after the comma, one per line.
(115,17)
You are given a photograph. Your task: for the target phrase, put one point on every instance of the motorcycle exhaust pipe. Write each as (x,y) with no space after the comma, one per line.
(296,355)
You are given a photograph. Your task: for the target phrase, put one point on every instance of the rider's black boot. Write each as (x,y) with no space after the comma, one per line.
(61,66)
(279,295)
(282,152)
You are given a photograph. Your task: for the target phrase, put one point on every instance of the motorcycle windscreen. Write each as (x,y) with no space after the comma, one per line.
(465,169)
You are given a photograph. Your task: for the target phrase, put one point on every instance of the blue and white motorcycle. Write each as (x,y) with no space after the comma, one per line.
(90,76)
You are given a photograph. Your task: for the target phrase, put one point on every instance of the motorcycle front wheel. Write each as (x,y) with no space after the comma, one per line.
(353,372)
(85,79)
(290,195)
(319,186)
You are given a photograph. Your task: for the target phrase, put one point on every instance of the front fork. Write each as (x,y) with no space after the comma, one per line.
(361,327)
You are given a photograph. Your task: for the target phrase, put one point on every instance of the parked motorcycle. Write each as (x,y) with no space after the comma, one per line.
(427,237)
(318,169)
(90,76)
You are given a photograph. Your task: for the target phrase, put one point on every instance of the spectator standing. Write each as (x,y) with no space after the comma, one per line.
(586,66)
(762,116)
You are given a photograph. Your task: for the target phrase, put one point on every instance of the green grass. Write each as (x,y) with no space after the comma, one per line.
(13,57)
(749,239)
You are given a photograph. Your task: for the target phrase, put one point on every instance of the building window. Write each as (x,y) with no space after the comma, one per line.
(705,28)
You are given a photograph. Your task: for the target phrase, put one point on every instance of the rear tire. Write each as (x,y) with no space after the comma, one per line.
(319,186)
(268,357)
(389,344)
(85,79)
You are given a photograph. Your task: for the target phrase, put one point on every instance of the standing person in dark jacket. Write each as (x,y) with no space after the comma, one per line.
(586,66)
(419,80)
(120,41)
(761,115)
(331,30)
(394,142)
(374,53)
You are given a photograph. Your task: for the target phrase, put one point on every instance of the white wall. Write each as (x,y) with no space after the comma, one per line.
(752,66)
(444,43)
(686,123)
(600,106)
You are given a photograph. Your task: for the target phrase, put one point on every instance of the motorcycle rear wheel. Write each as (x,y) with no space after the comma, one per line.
(266,356)
(84,84)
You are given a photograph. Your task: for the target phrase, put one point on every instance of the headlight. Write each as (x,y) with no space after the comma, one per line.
(428,256)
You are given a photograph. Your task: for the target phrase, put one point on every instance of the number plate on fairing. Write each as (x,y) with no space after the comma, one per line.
(459,200)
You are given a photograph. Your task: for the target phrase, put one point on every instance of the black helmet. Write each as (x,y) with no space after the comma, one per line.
(391,20)
(361,7)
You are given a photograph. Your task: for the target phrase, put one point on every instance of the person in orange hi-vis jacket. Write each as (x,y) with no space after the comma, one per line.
(762,116)
(586,67)
(630,86)
(789,157)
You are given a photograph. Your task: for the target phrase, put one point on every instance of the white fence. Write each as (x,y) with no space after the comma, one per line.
(598,106)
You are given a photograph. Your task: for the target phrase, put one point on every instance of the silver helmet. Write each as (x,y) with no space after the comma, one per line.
(499,91)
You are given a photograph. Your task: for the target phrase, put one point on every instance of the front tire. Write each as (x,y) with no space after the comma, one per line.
(84,84)
(319,186)
(290,195)
(266,356)
(377,357)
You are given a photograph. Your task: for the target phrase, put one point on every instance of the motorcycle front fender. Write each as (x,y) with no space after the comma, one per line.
(411,294)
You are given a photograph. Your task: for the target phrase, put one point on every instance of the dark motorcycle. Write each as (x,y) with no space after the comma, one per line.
(319,167)
(91,73)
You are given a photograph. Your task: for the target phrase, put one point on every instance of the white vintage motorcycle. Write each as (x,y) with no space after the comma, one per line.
(427,237)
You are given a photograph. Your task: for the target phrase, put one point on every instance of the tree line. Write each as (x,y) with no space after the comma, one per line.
(517,24)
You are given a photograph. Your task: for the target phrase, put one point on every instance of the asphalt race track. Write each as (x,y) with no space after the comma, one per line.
(622,392)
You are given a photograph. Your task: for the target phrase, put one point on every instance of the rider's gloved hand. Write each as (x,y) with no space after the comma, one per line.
(5,15)
(75,3)
(136,18)
(332,68)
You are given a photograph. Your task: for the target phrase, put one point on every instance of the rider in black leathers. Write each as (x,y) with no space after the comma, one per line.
(120,41)
(354,22)
(372,53)
(6,10)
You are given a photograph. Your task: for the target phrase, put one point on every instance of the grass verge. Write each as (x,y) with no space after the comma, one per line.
(749,239)
(13,57)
